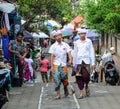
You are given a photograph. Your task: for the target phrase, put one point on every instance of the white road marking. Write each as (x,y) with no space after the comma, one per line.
(40,98)
(47,85)
(76,101)
(101,91)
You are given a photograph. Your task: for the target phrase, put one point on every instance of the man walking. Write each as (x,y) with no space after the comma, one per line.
(83,58)
(58,56)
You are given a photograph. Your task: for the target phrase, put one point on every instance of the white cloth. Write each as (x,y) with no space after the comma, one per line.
(7,22)
(30,61)
(83,51)
(105,58)
(56,32)
(60,53)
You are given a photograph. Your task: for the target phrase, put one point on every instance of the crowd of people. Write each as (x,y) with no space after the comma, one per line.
(29,60)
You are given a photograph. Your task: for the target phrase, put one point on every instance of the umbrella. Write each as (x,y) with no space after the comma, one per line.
(67,32)
(40,35)
(51,24)
(27,35)
(93,35)
(6,7)
(69,26)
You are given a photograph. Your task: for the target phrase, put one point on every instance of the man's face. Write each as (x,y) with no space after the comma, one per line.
(19,38)
(58,37)
(82,36)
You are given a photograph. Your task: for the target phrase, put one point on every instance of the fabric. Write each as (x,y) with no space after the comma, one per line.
(44,65)
(30,62)
(85,76)
(60,53)
(7,22)
(19,47)
(56,32)
(6,7)
(64,68)
(83,51)
(26,71)
(5,44)
(82,31)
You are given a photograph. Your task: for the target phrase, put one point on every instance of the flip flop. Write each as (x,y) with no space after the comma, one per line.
(81,97)
(88,93)
(57,98)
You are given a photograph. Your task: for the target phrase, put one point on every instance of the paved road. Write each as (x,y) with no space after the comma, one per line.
(40,96)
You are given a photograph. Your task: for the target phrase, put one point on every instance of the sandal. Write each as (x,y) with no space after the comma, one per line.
(81,97)
(88,93)
(57,98)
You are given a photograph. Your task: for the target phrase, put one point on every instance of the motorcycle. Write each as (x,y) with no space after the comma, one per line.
(109,68)
(111,75)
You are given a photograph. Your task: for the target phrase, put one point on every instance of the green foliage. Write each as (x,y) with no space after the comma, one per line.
(56,9)
(103,15)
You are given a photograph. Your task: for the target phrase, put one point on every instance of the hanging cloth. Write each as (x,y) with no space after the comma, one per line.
(7,22)
(5,44)
(3,26)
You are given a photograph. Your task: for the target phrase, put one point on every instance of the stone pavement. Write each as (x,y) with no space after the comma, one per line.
(40,96)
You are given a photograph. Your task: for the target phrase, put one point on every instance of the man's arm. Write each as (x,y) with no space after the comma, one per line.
(70,58)
(51,61)
(25,53)
(13,51)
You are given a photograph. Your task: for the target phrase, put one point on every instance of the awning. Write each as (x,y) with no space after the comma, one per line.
(77,19)
(6,7)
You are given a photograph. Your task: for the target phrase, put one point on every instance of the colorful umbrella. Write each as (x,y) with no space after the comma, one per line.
(67,32)
(93,35)
(50,24)
(6,7)
(40,35)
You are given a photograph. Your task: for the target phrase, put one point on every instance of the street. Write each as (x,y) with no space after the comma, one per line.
(41,96)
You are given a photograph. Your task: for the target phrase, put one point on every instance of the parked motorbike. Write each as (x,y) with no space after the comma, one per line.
(111,75)
(108,64)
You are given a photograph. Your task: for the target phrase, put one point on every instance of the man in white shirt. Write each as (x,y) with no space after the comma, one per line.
(58,56)
(83,56)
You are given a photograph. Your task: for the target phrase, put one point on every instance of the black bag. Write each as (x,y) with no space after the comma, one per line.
(73,73)
(16,82)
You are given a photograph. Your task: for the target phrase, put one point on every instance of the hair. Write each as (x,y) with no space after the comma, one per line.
(28,55)
(42,56)
(20,33)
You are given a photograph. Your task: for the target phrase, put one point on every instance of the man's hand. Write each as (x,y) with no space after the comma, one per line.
(51,70)
(93,67)
(17,53)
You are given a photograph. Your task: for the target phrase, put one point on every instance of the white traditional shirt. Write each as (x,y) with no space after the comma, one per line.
(83,51)
(60,53)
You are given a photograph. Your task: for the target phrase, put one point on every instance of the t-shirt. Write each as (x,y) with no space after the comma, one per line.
(44,65)
(29,61)
(19,48)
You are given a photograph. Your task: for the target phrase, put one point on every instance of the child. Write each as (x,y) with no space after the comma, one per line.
(30,64)
(44,63)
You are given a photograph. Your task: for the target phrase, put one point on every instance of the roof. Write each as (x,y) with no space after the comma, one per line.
(77,19)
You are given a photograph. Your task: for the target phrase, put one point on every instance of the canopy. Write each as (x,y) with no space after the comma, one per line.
(6,7)
(67,32)
(93,35)
(27,35)
(40,35)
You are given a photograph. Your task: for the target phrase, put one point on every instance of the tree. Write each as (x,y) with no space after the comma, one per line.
(56,9)
(103,15)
